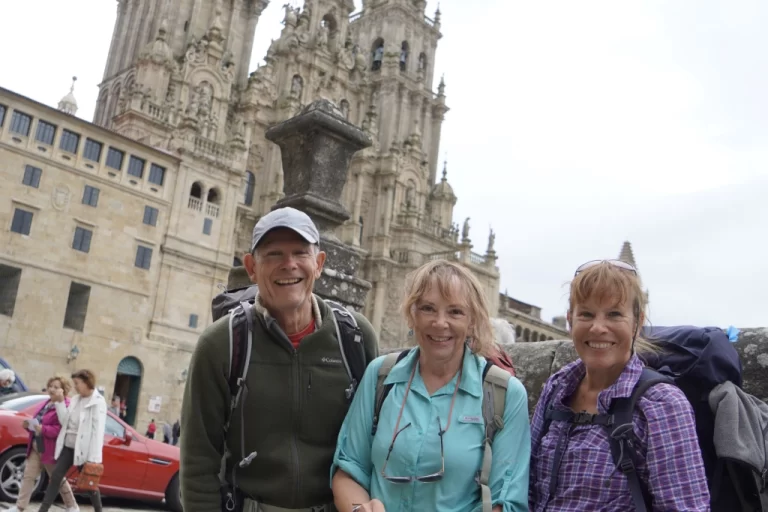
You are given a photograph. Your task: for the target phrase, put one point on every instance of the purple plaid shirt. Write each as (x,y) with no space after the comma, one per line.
(669,460)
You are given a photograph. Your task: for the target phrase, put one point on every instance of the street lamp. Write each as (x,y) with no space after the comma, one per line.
(73,353)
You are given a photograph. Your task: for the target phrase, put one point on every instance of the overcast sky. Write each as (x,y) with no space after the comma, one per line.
(573,126)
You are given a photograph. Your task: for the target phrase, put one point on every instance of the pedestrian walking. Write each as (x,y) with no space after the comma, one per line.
(44,430)
(81,439)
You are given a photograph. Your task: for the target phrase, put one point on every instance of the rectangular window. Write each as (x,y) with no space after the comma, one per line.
(82,240)
(77,306)
(207,225)
(3,109)
(156,174)
(46,132)
(150,216)
(136,166)
(32,176)
(91,196)
(193,321)
(20,123)
(69,141)
(22,221)
(115,158)
(9,288)
(92,150)
(143,257)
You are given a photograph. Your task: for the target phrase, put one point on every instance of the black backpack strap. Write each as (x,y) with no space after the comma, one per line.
(390,360)
(240,344)
(350,338)
(623,441)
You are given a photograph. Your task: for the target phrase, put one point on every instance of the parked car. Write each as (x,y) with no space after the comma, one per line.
(19,384)
(135,467)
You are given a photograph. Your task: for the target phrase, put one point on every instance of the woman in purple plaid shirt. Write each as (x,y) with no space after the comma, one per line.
(606,313)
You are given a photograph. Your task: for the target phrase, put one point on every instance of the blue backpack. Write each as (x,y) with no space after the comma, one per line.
(696,359)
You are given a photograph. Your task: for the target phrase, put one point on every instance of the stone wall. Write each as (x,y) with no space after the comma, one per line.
(535,362)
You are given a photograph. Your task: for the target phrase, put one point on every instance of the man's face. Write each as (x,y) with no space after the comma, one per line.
(285,267)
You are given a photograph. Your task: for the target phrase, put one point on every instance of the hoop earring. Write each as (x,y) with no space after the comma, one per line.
(410,333)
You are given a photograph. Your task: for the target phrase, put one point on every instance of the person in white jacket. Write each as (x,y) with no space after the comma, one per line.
(82,434)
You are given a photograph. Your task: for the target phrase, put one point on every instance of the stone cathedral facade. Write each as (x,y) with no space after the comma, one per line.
(118,233)
(177,78)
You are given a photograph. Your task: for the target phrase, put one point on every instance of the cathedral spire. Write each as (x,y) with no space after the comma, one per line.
(68,103)
(626,254)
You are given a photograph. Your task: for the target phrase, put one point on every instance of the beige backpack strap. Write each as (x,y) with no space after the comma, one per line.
(494,400)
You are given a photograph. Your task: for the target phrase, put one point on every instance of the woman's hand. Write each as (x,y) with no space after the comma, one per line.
(25,424)
(38,428)
(57,395)
(372,506)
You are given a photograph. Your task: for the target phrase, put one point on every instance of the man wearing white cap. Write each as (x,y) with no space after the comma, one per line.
(296,387)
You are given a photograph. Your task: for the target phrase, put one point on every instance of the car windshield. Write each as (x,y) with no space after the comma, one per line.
(21,402)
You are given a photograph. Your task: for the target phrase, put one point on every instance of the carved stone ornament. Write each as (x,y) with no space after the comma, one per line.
(60,197)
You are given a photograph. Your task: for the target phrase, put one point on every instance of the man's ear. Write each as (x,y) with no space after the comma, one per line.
(320,259)
(250,264)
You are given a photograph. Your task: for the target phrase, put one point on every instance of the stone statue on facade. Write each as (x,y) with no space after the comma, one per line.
(465,231)
(296,86)
(491,241)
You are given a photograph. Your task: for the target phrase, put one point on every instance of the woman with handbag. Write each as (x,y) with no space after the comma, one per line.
(81,438)
(42,446)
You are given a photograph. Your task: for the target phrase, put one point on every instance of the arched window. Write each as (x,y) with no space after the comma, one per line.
(534,336)
(344,106)
(404,51)
(250,186)
(329,23)
(518,332)
(196,196)
(527,335)
(196,190)
(361,230)
(378,54)
(213,196)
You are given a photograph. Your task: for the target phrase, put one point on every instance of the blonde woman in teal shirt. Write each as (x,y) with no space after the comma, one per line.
(427,451)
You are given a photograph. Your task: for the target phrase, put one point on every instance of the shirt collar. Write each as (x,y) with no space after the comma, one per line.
(471,377)
(571,375)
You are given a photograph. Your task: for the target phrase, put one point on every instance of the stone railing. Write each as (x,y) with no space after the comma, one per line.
(535,362)
(447,255)
(212,210)
(195,204)
(212,150)
(477,259)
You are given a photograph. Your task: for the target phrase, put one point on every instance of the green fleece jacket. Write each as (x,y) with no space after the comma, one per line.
(293,410)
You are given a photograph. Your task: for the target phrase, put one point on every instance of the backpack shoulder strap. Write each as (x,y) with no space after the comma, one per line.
(390,360)
(621,436)
(495,381)
(350,338)
(241,321)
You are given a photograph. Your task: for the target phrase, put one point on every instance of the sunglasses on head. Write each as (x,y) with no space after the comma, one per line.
(623,265)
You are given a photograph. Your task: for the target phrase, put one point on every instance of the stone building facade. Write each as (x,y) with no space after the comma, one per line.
(177,93)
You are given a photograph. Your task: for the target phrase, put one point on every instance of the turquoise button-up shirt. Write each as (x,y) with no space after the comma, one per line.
(417,448)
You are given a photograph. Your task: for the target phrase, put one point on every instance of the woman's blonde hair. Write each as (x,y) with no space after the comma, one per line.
(66,385)
(446,275)
(605,281)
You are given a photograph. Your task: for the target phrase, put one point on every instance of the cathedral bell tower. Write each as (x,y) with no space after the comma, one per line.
(401,43)
(155,45)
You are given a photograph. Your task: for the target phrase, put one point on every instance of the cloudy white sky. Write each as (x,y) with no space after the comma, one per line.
(573,126)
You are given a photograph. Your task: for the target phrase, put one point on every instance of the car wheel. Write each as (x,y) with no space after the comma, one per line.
(12,464)
(173,495)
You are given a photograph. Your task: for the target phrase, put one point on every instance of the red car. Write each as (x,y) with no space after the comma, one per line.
(135,467)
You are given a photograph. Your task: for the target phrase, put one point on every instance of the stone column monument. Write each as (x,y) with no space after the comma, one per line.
(317,146)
